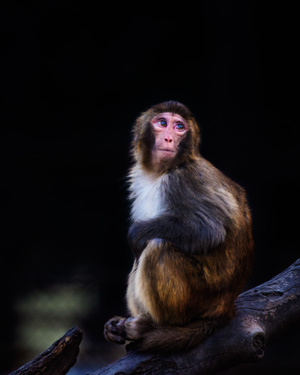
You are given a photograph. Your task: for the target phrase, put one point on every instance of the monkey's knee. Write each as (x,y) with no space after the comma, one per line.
(114,330)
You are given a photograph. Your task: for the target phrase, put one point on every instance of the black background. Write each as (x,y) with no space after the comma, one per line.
(74,76)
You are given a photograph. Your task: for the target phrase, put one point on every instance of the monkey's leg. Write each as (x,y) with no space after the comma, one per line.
(166,285)
(169,300)
(115,330)
(150,336)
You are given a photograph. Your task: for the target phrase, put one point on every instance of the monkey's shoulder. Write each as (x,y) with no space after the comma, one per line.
(201,173)
(209,175)
(201,185)
(226,192)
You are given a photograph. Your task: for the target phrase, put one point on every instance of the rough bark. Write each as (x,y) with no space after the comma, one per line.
(57,359)
(263,314)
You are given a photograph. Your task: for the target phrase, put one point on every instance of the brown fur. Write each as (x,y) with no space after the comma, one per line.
(192,260)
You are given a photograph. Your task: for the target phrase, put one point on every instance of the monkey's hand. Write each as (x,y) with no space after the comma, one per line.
(114,330)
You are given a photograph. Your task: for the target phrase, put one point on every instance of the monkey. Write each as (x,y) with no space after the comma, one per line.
(190,233)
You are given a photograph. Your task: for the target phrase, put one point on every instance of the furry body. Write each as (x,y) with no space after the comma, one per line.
(192,239)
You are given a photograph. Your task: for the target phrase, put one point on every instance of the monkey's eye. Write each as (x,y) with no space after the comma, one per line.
(162,122)
(180,126)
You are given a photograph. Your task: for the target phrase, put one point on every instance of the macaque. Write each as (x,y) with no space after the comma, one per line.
(191,234)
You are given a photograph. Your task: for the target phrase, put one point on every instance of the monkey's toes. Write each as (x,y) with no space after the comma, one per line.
(114,330)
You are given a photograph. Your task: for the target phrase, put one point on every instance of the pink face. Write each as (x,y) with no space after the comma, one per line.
(169,129)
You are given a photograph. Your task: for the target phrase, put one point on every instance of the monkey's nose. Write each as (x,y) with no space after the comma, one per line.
(168,139)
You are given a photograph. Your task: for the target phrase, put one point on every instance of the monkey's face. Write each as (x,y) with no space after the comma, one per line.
(169,129)
(165,136)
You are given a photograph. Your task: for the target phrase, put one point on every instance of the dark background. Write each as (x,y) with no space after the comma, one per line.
(74,76)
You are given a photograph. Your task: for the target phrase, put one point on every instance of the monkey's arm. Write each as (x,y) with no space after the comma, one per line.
(190,235)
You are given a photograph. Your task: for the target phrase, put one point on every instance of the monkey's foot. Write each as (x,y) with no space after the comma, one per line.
(114,330)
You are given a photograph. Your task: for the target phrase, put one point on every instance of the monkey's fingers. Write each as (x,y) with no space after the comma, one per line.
(114,338)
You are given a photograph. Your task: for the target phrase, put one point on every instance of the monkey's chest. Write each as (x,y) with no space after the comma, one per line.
(148,199)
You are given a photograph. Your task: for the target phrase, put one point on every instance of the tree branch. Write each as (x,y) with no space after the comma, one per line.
(263,314)
(57,359)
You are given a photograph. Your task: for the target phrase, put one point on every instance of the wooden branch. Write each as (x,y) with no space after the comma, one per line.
(57,359)
(263,314)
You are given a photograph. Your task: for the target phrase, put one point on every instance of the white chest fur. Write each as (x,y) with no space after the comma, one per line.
(146,192)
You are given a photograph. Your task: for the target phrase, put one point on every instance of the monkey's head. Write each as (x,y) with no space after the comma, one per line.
(165,136)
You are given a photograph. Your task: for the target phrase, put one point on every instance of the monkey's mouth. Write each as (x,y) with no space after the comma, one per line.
(165,153)
(165,150)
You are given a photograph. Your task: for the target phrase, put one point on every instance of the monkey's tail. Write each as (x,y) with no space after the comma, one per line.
(150,336)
